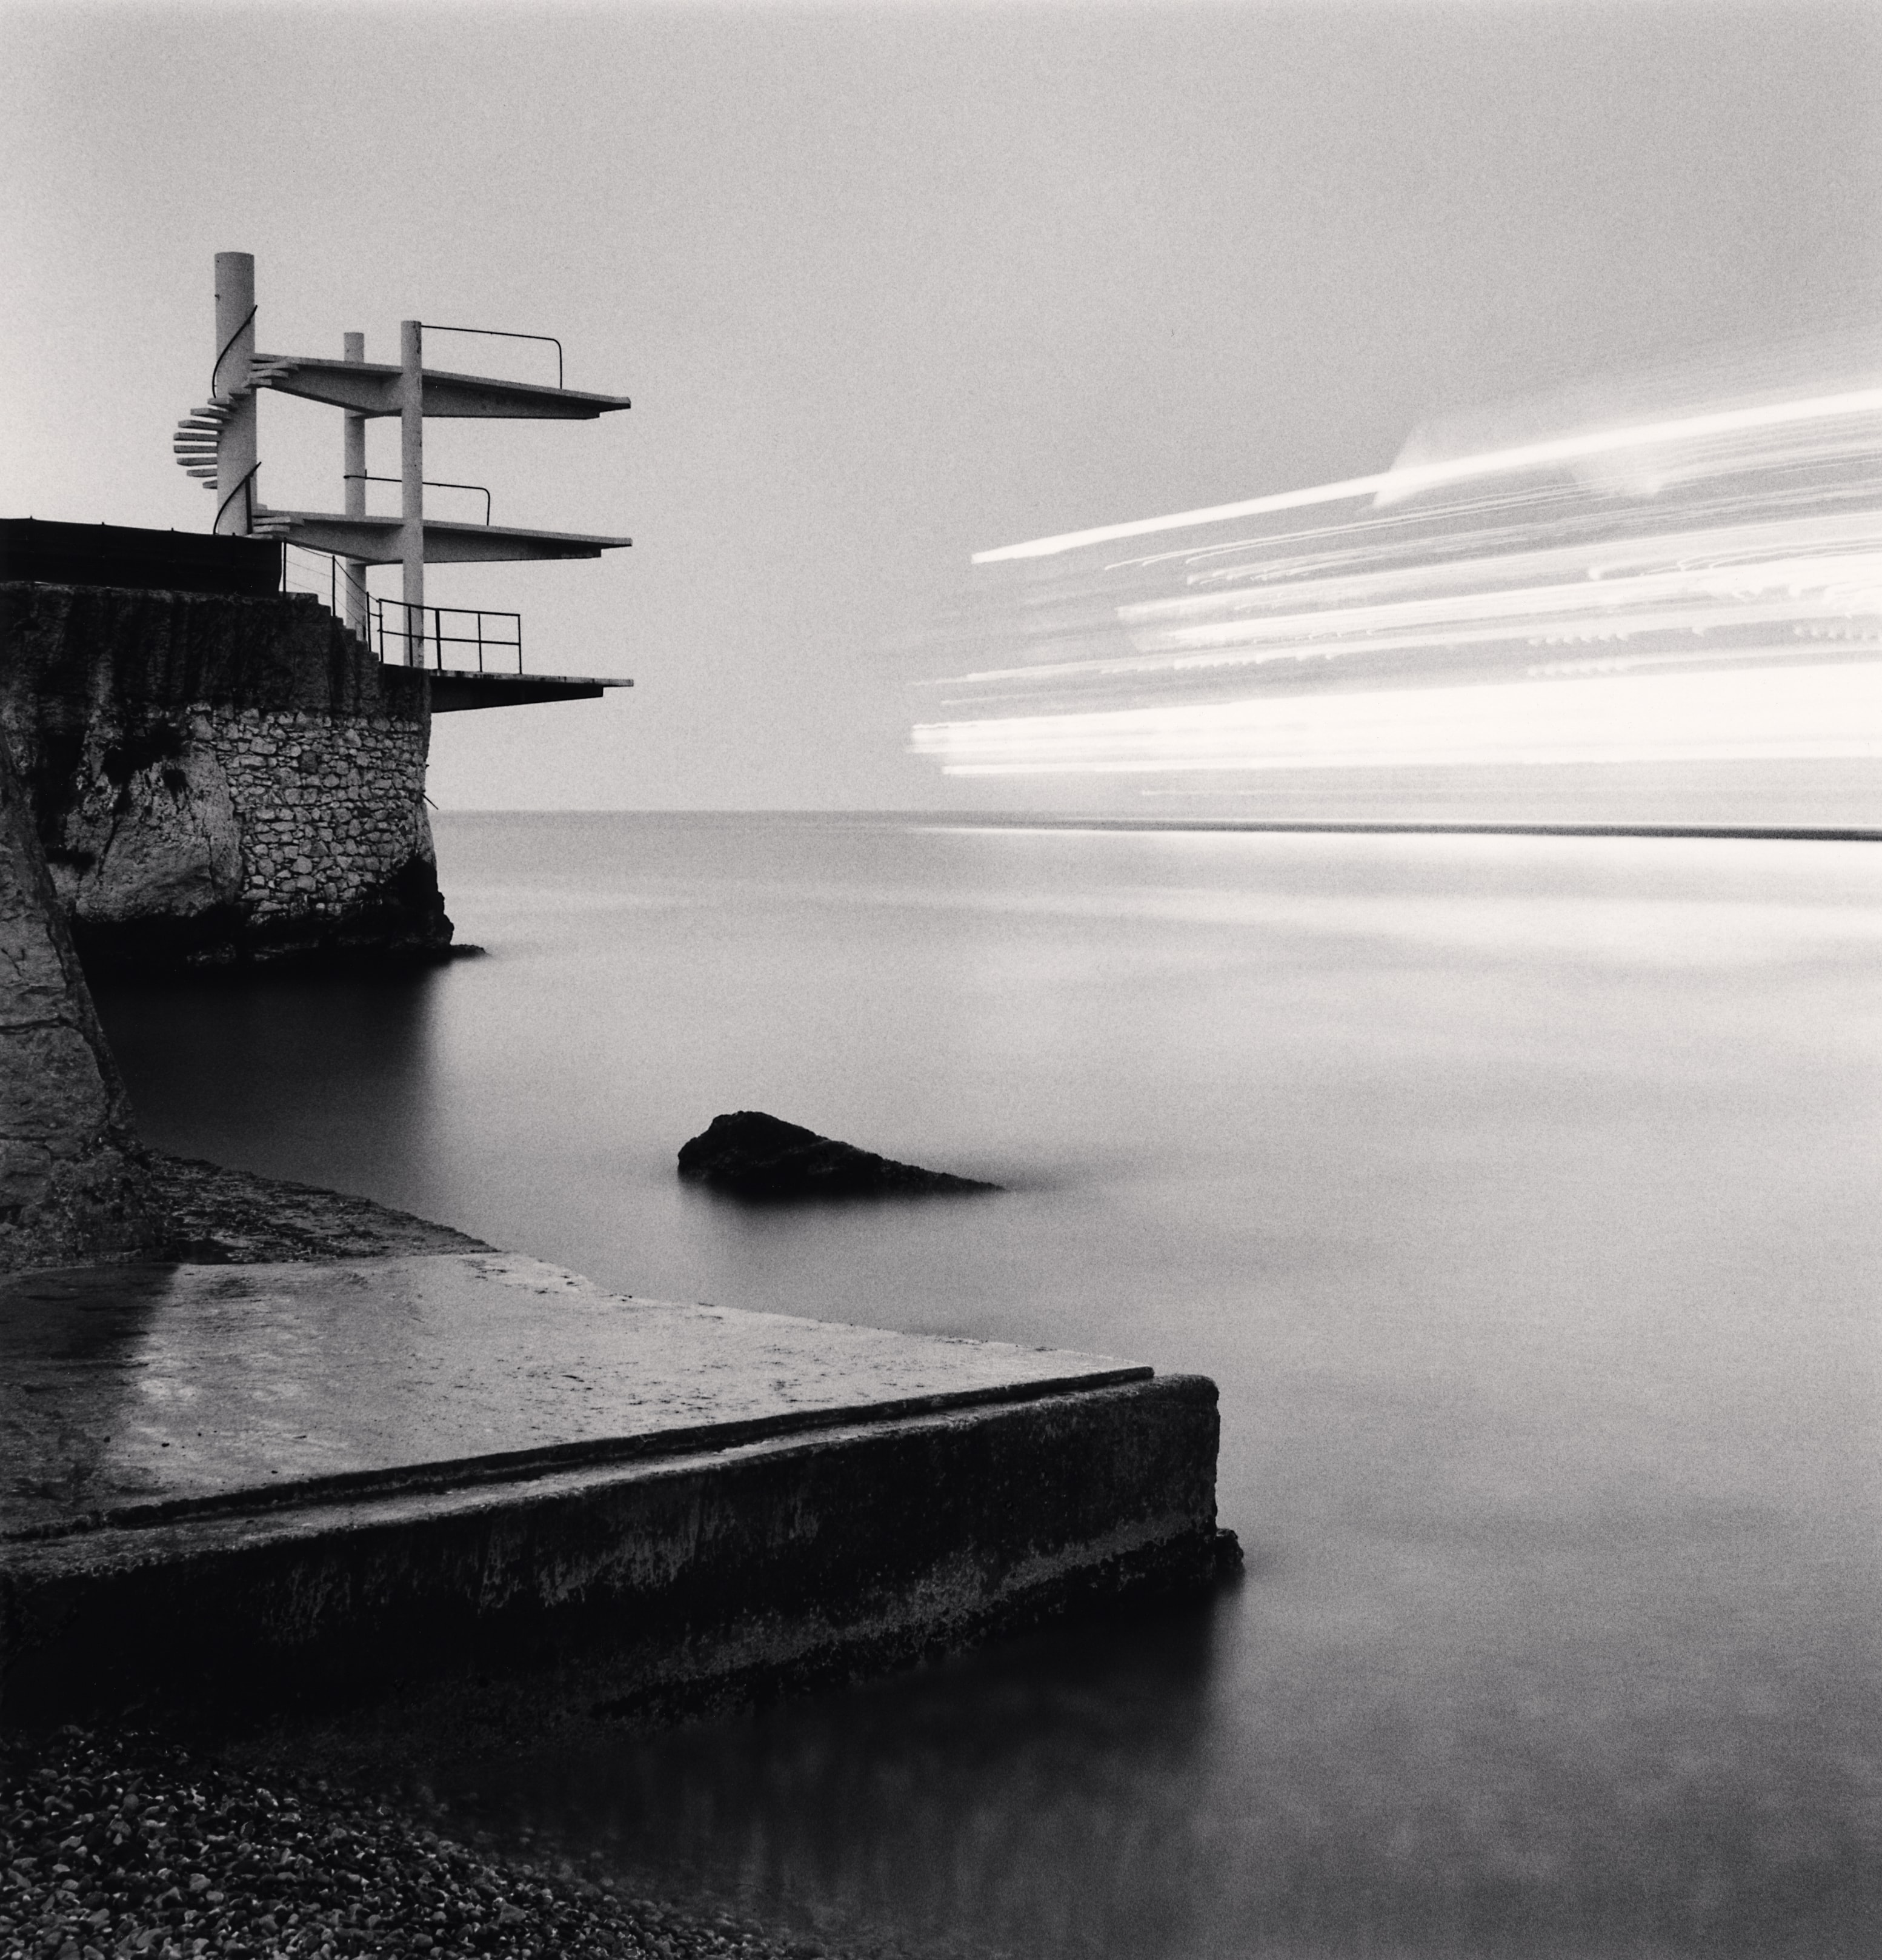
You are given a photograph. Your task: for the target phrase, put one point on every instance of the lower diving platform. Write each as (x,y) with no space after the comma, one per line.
(472,657)
(454,691)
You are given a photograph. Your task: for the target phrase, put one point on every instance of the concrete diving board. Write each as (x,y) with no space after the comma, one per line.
(379,540)
(244,1485)
(454,692)
(372,388)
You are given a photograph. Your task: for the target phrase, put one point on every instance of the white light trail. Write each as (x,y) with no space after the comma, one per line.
(1822,713)
(1400,482)
(1702,586)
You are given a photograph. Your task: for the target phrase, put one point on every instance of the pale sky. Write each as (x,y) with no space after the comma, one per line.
(888,285)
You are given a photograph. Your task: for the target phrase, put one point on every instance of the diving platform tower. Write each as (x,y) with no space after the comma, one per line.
(218,444)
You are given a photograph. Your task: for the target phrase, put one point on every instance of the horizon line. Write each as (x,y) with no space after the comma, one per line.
(1347,826)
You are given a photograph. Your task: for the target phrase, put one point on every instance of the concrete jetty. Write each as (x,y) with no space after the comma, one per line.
(259,1484)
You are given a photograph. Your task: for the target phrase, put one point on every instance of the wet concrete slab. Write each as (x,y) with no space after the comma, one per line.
(128,1393)
(398,1475)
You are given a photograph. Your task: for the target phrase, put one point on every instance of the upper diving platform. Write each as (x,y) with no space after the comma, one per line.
(372,388)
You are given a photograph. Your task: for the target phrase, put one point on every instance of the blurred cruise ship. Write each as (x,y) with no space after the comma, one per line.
(1700,582)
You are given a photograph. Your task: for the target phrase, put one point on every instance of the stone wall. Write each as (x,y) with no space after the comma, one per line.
(73,1184)
(328,808)
(218,779)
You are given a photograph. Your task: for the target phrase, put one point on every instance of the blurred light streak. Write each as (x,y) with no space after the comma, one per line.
(1824,713)
(1396,483)
(1703,585)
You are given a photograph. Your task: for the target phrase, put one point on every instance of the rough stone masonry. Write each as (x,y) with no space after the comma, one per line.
(72,1185)
(219,779)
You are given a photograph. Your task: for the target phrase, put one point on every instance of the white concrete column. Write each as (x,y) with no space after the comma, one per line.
(353,467)
(235,452)
(412,483)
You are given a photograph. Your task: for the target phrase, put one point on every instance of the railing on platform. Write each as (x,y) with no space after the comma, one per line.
(422,627)
(430,483)
(330,579)
(389,626)
(500,333)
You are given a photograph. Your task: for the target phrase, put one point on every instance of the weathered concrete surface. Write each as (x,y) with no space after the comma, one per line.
(383,1472)
(71,1182)
(214,1214)
(218,778)
(217,1383)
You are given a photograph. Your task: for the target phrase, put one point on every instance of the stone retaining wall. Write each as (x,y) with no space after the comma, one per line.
(329,808)
(220,779)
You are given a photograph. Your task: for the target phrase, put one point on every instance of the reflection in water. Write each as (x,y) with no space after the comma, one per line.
(331,1081)
(940,1810)
(1164,1788)
(1519,1193)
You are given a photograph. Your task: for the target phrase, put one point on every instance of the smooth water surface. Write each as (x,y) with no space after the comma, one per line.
(1521,1194)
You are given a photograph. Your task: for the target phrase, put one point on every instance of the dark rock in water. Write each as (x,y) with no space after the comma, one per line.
(752,1155)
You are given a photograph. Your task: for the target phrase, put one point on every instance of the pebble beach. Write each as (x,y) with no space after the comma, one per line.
(122,1844)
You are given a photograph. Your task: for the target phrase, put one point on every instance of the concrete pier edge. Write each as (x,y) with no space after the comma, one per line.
(677,1579)
(497,1480)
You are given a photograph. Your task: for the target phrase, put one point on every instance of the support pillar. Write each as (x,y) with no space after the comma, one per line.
(411,484)
(237,491)
(353,468)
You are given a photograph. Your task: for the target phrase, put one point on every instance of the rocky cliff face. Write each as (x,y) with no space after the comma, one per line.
(73,1184)
(216,780)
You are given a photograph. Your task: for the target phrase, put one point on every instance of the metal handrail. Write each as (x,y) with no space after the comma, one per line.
(352,582)
(430,483)
(226,346)
(500,333)
(215,528)
(380,629)
(440,639)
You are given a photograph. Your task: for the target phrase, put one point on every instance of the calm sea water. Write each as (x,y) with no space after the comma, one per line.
(1520,1193)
